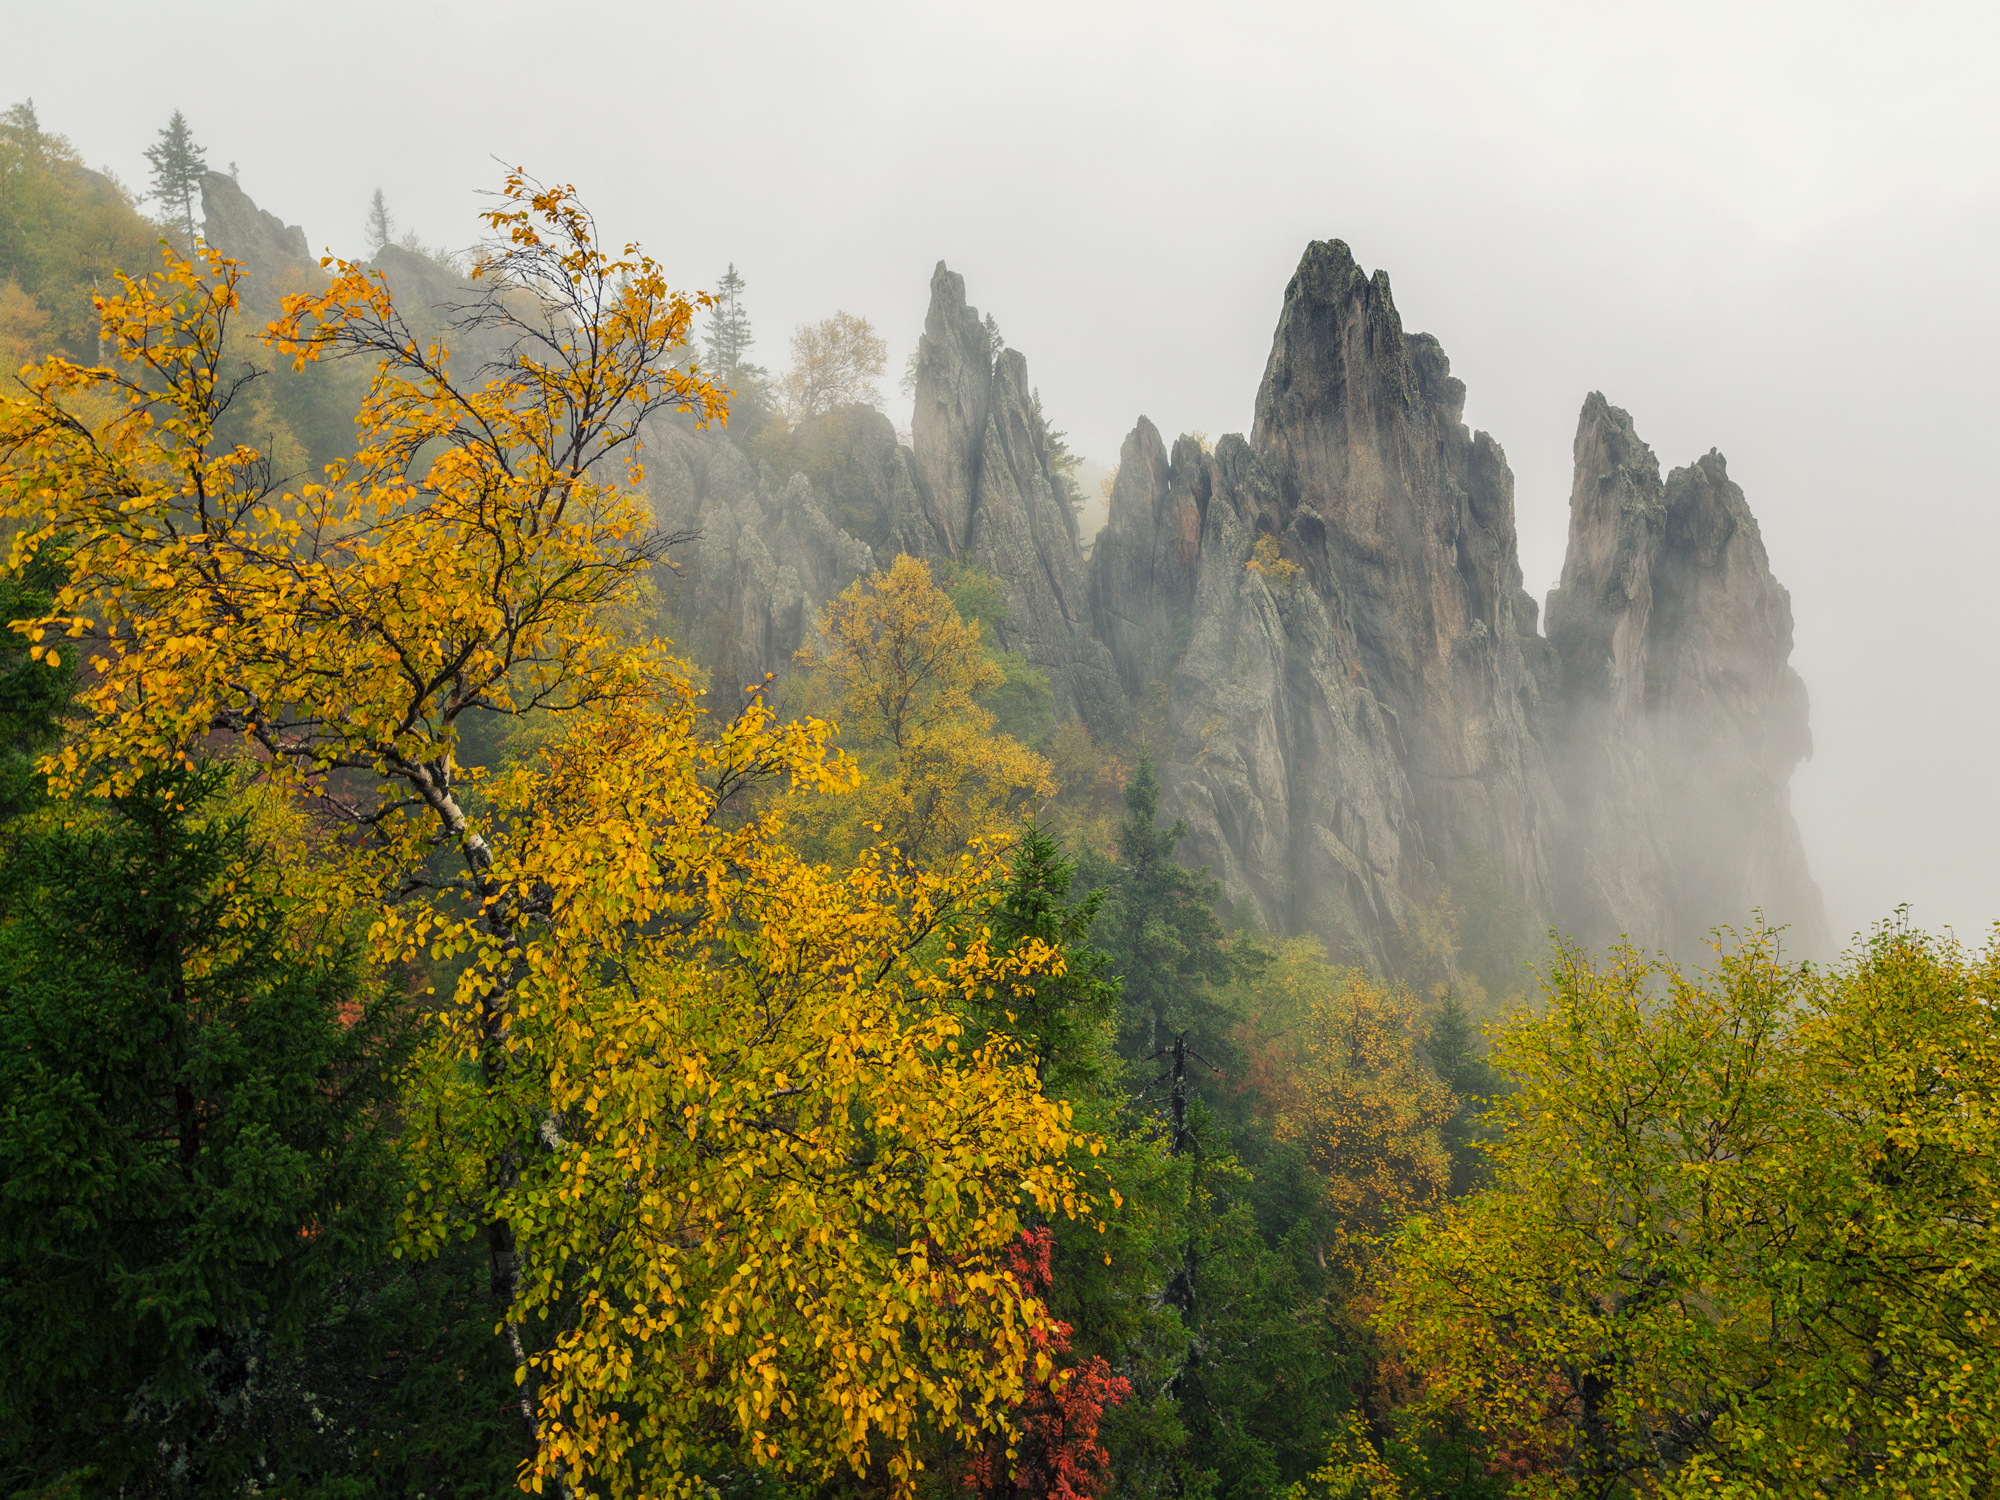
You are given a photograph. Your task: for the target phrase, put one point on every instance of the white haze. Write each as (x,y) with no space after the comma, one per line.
(1765,228)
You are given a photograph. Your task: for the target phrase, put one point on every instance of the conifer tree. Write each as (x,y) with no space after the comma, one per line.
(729,339)
(193,1146)
(1160,928)
(179,164)
(381,225)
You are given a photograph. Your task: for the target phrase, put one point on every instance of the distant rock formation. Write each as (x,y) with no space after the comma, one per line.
(268,247)
(989,489)
(1680,719)
(1351,714)
(1362,716)
(765,559)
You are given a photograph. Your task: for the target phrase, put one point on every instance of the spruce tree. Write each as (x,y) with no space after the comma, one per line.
(192,1149)
(178,167)
(381,225)
(1161,931)
(729,339)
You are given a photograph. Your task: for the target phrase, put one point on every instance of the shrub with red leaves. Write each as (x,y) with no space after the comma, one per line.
(1057,1455)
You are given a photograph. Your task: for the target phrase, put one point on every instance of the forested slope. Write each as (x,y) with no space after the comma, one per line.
(782,974)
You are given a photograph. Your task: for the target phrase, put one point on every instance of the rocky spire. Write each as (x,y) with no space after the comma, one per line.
(987,476)
(1680,719)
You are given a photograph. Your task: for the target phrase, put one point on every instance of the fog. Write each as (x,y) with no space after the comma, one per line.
(1767,229)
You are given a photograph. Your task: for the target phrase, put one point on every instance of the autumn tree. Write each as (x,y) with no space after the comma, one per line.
(1058,1454)
(1369,1114)
(835,362)
(901,673)
(1740,1238)
(64,230)
(179,164)
(707,1105)
(774,1167)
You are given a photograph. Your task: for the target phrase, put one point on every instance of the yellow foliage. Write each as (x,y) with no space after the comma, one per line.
(719,1125)
(1268,558)
(347,628)
(1353,1470)
(1369,1113)
(835,362)
(1741,1235)
(781,1179)
(901,671)
(23,324)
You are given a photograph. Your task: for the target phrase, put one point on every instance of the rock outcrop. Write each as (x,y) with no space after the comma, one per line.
(1351,708)
(1362,714)
(990,492)
(1326,620)
(763,557)
(271,250)
(1680,719)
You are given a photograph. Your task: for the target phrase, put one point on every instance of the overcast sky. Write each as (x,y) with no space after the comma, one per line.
(1769,229)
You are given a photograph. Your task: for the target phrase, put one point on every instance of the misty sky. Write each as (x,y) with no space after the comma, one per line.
(1769,229)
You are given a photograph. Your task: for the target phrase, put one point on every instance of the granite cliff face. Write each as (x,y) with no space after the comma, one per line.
(762,560)
(1351,713)
(1680,719)
(1362,714)
(988,484)
(268,247)
(1361,717)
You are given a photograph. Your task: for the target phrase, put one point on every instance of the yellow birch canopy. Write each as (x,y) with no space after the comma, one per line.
(743,1179)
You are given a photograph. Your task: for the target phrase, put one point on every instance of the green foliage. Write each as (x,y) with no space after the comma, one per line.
(1452,1045)
(63,231)
(1162,933)
(179,164)
(34,695)
(1273,1357)
(192,1144)
(729,338)
(1062,1020)
(977,595)
(1021,702)
(1740,1238)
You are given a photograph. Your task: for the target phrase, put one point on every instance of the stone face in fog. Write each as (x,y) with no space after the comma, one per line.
(1352,726)
(1326,620)
(275,256)
(1143,566)
(1680,719)
(990,489)
(948,428)
(1366,718)
(762,561)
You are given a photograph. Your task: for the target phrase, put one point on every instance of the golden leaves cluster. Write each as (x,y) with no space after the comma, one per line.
(901,673)
(783,1179)
(719,1099)
(469,556)
(1368,1111)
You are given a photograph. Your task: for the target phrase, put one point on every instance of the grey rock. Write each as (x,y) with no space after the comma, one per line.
(1355,738)
(233,224)
(1145,564)
(1376,720)
(988,485)
(745,593)
(948,426)
(1680,718)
